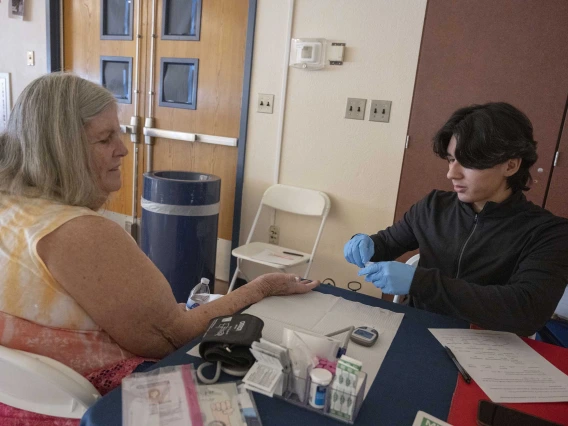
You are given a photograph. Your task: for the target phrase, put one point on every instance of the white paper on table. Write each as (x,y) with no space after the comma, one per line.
(505,367)
(325,313)
(276,257)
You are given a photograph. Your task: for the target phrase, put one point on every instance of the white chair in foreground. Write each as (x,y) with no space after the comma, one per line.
(291,199)
(43,385)
(413,261)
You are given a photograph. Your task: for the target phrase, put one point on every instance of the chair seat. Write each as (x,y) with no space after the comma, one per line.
(261,252)
(43,385)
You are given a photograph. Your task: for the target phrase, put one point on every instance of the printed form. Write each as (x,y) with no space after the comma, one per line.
(504,366)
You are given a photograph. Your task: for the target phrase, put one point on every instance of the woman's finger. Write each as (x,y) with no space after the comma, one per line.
(309,285)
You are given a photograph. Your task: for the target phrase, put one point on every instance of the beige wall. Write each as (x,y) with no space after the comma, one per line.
(16,38)
(357,163)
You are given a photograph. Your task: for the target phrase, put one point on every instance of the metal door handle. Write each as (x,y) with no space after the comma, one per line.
(128,129)
(188,137)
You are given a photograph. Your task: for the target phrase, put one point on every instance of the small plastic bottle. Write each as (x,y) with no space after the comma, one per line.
(199,295)
(320,380)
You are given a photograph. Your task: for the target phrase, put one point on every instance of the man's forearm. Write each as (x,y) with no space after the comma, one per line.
(517,307)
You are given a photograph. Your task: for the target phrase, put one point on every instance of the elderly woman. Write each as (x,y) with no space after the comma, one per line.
(74,285)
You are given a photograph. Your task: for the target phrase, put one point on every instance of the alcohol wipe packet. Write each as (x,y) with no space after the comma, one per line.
(166,396)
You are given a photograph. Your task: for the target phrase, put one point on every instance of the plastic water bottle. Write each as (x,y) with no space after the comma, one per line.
(199,295)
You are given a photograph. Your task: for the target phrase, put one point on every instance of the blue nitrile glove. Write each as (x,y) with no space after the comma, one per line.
(390,277)
(359,250)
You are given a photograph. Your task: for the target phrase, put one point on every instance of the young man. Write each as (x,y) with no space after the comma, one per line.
(487,255)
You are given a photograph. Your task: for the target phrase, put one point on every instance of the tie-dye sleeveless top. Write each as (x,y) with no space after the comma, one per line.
(36,313)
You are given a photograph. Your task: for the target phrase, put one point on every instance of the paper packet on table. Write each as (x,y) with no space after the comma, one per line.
(220,405)
(268,375)
(163,397)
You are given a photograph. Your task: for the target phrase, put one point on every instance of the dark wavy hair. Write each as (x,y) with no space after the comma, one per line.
(488,135)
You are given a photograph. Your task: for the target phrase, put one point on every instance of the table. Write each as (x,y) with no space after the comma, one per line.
(416,375)
(554,332)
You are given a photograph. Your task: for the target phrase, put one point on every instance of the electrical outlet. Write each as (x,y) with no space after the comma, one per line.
(265,103)
(273,234)
(355,108)
(380,111)
(31,58)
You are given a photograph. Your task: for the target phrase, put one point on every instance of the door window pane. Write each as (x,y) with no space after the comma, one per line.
(181,19)
(178,83)
(116,19)
(116,72)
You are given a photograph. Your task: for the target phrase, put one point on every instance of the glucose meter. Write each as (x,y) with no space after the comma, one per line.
(365,336)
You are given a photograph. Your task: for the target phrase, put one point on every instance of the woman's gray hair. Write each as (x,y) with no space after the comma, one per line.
(44,150)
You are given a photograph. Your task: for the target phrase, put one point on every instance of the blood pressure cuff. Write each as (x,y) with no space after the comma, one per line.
(228,339)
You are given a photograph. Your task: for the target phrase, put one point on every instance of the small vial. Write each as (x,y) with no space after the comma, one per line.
(318,388)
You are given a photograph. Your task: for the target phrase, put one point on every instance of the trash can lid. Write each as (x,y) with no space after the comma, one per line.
(181,188)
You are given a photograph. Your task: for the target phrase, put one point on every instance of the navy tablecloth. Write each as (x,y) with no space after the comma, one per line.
(554,332)
(415,375)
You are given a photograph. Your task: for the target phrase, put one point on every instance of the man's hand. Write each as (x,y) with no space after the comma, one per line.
(278,284)
(359,250)
(390,277)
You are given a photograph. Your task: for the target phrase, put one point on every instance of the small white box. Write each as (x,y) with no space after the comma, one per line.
(335,53)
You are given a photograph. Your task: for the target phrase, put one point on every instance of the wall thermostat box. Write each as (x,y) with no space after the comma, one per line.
(308,53)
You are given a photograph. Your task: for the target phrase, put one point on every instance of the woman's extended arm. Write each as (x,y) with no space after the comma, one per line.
(103,269)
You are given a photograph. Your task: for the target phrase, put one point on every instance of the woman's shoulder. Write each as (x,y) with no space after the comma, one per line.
(35,217)
(40,207)
(89,227)
(84,244)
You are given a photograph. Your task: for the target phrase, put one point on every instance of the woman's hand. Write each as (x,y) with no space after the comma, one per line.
(279,284)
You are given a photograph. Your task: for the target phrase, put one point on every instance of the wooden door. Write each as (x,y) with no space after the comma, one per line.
(480,51)
(557,194)
(219,50)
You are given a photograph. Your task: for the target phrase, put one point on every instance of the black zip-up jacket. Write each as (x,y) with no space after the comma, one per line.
(504,268)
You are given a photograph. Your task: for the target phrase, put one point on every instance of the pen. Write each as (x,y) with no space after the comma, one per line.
(293,254)
(462,371)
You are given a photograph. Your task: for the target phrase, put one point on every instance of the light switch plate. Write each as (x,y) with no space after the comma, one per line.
(380,111)
(355,109)
(265,103)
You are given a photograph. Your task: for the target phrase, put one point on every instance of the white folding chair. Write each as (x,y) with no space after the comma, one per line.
(413,261)
(43,385)
(291,199)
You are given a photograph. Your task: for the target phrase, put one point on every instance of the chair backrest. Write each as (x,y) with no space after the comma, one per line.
(292,199)
(43,385)
(296,200)
(562,308)
(413,261)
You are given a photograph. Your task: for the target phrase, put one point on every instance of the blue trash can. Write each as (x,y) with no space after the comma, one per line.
(180,216)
